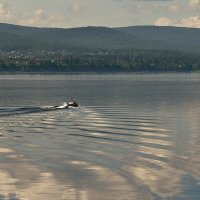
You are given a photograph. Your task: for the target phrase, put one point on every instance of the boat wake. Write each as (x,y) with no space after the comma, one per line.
(6,111)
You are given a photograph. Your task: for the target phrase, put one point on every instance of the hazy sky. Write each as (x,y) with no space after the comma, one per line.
(112,13)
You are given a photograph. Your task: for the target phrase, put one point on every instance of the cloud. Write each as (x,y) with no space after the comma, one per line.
(35,17)
(4,12)
(173,8)
(150,7)
(144,9)
(191,21)
(155,0)
(40,18)
(164,21)
(39,14)
(194,2)
(76,8)
(141,0)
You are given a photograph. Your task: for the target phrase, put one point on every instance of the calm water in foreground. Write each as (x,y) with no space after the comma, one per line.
(134,137)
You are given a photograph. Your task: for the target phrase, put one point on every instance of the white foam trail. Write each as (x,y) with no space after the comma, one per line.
(63,106)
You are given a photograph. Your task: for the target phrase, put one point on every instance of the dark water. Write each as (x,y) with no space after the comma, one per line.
(133,137)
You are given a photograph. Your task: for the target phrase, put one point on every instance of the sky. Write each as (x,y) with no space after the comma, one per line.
(110,13)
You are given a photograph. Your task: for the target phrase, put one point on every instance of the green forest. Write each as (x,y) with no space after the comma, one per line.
(145,60)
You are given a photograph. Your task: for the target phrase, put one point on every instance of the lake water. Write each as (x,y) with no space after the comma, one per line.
(134,137)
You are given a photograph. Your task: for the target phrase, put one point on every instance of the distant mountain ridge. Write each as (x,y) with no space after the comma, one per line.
(14,37)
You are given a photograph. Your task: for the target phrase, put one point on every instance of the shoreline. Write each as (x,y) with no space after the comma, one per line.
(100,73)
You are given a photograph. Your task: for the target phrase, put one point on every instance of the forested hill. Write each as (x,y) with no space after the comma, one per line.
(13,37)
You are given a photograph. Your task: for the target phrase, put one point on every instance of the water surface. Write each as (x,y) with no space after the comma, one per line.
(133,137)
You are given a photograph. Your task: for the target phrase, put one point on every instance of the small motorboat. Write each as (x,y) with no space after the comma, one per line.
(72,104)
(66,105)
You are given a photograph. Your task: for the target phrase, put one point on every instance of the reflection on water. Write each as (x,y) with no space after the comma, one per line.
(105,149)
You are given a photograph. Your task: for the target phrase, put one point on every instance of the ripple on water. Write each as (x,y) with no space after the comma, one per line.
(90,152)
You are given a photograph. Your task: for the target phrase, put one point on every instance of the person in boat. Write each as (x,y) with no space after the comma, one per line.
(72,103)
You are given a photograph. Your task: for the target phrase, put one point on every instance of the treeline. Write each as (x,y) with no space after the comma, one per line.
(127,60)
